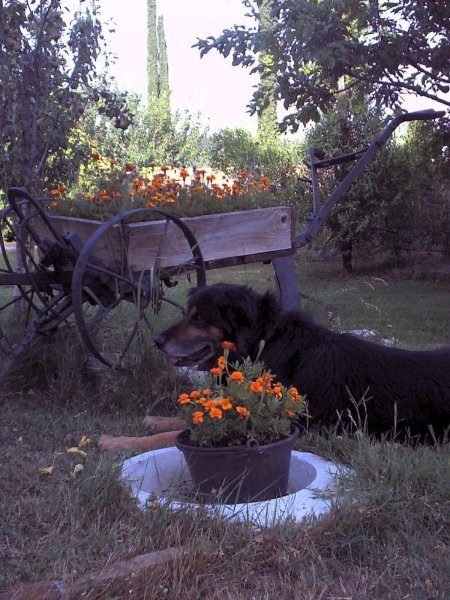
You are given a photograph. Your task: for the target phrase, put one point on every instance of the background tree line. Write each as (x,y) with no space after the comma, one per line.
(56,105)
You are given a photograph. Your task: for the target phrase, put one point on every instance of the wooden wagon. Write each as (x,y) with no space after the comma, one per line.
(70,270)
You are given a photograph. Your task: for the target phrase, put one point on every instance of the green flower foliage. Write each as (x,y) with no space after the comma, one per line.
(106,188)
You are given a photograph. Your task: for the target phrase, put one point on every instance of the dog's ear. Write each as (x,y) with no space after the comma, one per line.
(228,307)
(250,318)
(238,308)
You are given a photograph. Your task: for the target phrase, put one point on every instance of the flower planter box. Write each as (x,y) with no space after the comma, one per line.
(225,239)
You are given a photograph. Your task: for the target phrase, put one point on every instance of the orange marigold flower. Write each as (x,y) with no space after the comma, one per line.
(89,196)
(221,363)
(215,371)
(228,346)
(297,398)
(195,394)
(112,162)
(169,200)
(54,192)
(210,404)
(237,376)
(206,392)
(278,390)
(129,167)
(225,404)
(215,413)
(201,401)
(257,386)
(95,156)
(243,412)
(197,417)
(267,379)
(184,173)
(290,412)
(184,399)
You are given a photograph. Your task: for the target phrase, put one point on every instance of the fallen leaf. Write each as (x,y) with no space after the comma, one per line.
(85,441)
(76,450)
(46,470)
(77,470)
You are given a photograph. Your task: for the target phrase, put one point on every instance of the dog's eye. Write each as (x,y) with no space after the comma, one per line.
(197,318)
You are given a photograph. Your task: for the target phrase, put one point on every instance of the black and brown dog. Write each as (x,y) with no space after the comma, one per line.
(343,377)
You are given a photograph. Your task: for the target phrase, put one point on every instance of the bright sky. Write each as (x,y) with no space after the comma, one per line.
(210,85)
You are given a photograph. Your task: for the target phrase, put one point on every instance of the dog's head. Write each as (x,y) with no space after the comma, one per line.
(214,314)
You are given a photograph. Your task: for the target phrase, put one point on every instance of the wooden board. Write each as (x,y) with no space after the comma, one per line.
(224,238)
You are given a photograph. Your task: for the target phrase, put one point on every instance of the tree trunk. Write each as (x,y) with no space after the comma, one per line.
(346,247)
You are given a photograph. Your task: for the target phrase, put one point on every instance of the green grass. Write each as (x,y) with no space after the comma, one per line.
(412,312)
(386,537)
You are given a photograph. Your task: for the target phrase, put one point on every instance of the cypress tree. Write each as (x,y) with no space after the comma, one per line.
(267,118)
(152,52)
(164,92)
(157,63)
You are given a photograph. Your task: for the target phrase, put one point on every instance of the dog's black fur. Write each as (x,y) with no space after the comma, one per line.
(333,370)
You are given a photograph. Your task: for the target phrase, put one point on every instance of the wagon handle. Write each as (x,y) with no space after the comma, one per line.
(420,115)
(318,220)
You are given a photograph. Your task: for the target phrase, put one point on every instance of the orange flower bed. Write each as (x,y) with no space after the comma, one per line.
(108,188)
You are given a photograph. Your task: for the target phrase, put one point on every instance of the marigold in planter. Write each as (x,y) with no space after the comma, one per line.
(240,403)
(106,188)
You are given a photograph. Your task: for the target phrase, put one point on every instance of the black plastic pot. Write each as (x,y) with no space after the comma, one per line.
(238,474)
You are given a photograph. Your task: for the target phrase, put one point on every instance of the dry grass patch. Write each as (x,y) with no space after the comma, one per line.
(386,537)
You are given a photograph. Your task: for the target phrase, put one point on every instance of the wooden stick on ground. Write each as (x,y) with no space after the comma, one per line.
(59,590)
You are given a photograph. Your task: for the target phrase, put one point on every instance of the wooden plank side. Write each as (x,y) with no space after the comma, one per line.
(84,228)
(109,248)
(223,237)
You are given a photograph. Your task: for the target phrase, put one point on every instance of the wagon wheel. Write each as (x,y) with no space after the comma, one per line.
(17,301)
(36,296)
(114,303)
